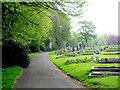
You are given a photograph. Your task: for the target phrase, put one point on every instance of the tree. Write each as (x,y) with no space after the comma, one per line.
(25,25)
(28,25)
(72,42)
(100,40)
(87,31)
(61,29)
(25,29)
(112,39)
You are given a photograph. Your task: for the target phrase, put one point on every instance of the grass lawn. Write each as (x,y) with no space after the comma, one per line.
(80,71)
(9,74)
(0,78)
(31,55)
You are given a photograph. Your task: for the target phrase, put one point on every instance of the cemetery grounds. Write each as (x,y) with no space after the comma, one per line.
(79,67)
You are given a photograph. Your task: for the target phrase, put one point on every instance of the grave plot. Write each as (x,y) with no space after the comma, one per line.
(68,54)
(111,50)
(61,56)
(109,60)
(105,70)
(111,53)
(90,52)
(117,52)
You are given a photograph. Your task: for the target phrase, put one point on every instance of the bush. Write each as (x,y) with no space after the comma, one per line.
(59,52)
(34,49)
(14,54)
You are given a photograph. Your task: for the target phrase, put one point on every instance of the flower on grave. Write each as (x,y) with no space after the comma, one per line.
(71,61)
(77,59)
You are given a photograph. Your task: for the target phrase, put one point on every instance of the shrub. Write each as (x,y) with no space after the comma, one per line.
(67,62)
(78,60)
(14,54)
(34,48)
(59,52)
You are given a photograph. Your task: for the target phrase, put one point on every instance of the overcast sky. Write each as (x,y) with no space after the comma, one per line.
(104,15)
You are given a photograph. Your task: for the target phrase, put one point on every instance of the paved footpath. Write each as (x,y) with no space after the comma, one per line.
(41,73)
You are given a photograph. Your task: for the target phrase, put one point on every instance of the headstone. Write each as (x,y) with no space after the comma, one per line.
(74,52)
(105,70)
(109,60)
(98,51)
(110,50)
(94,57)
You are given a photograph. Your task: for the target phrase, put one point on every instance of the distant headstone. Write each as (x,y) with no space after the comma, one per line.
(94,57)
(109,60)
(98,51)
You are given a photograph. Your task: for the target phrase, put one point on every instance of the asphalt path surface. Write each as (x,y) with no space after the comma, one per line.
(42,73)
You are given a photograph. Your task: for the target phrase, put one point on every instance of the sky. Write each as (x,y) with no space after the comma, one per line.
(103,14)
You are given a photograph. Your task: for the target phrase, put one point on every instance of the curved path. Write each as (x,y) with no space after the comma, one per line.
(41,73)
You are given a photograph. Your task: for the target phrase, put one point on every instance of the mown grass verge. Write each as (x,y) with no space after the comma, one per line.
(80,71)
(10,74)
(31,55)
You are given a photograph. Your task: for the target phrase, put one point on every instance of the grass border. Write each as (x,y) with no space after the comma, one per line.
(56,64)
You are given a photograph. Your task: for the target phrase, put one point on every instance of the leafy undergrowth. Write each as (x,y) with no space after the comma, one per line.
(9,74)
(80,71)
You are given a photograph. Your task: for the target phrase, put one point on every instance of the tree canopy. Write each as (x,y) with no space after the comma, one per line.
(87,30)
(32,26)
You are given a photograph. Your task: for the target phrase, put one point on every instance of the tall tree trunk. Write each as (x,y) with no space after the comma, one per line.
(86,42)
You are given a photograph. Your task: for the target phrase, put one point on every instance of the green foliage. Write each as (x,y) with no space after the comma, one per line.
(0,43)
(28,27)
(24,29)
(0,34)
(9,74)
(59,52)
(100,40)
(73,40)
(87,31)
(61,29)
(14,54)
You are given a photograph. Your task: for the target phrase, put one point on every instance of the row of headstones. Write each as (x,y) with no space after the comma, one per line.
(106,70)
(90,52)
(109,60)
(74,53)
(112,49)
(97,51)
(78,48)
